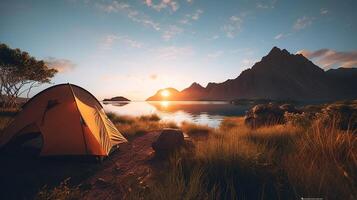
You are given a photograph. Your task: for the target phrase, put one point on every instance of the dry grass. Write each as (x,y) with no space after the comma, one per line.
(4,122)
(62,192)
(134,126)
(324,163)
(275,162)
(196,130)
(235,162)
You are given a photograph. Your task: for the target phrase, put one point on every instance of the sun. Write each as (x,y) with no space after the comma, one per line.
(165,93)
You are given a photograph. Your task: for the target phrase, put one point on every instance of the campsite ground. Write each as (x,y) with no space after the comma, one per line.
(125,169)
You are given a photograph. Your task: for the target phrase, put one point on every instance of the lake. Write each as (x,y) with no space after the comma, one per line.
(208,113)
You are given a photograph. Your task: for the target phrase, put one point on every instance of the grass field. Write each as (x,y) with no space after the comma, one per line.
(232,161)
(275,162)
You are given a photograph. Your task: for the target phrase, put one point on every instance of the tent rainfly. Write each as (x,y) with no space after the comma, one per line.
(64,119)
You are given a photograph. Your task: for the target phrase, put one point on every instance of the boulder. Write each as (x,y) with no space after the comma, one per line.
(168,141)
(267,114)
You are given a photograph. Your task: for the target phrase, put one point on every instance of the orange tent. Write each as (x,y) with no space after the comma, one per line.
(63,120)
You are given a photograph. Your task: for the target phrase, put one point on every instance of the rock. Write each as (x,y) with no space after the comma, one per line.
(268,114)
(168,141)
(119,98)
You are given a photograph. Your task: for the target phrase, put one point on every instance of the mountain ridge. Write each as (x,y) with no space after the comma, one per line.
(278,76)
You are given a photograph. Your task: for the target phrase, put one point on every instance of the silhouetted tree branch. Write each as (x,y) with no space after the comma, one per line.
(19,73)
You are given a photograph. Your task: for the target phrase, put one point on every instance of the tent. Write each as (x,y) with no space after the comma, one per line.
(64,119)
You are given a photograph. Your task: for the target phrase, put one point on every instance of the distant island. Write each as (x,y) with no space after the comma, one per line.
(278,76)
(118,98)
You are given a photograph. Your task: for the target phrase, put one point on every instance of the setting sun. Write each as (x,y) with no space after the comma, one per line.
(165,93)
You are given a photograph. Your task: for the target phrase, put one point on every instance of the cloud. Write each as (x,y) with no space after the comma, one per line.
(191,17)
(109,41)
(215,55)
(282,35)
(214,37)
(171,32)
(170,4)
(196,15)
(62,65)
(233,27)
(302,23)
(323,11)
(266,4)
(172,53)
(131,13)
(329,58)
(279,36)
(248,62)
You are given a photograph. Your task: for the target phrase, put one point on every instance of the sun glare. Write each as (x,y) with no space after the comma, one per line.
(165,93)
(164,104)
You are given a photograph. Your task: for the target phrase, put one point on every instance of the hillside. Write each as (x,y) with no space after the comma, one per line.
(278,76)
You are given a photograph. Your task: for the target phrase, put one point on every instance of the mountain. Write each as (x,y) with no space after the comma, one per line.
(119,98)
(278,76)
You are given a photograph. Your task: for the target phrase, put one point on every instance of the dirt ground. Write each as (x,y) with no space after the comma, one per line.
(131,165)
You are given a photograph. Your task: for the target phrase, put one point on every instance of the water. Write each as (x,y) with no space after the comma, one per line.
(208,113)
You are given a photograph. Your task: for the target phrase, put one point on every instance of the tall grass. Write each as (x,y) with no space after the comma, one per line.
(196,130)
(131,126)
(324,163)
(275,162)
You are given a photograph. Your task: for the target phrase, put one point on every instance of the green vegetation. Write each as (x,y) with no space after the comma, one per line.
(19,73)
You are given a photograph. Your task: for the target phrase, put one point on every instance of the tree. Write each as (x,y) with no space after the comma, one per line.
(19,73)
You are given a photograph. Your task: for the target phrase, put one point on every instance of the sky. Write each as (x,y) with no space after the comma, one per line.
(133,48)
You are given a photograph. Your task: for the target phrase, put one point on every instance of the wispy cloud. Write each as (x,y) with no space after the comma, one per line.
(266,4)
(214,37)
(279,36)
(329,58)
(248,62)
(323,11)
(233,27)
(282,35)
(130,12)
(163,4)
(215,54)
(191,17)
(172,53)
(109,40)
(302,23)
(62,65)
(171,32)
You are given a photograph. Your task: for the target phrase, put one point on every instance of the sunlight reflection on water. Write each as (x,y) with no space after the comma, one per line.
(203,112)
